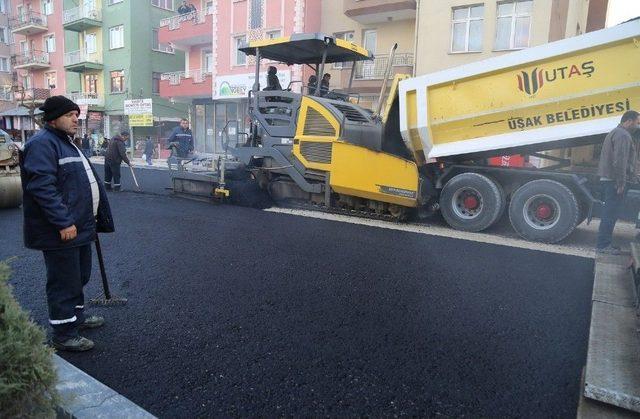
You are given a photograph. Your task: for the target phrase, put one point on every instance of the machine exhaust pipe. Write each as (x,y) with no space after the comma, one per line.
(387,73)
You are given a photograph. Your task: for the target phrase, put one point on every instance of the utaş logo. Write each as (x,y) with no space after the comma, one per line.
(532,82)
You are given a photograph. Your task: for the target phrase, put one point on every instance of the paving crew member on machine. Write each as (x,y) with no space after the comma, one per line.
(64,207)
(116,154)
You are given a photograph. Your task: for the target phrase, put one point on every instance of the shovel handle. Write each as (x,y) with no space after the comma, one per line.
(103,272)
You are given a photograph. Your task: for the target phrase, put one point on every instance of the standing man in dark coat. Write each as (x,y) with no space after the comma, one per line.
(148,150)
(182,137)
(86,145)
(116,154)
(616,168)
(64,208)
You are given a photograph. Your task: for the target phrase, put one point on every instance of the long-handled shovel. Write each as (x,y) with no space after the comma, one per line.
(107,299)
(135,180)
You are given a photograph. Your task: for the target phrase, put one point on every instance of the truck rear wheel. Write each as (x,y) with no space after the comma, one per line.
(544,210)
(471,202)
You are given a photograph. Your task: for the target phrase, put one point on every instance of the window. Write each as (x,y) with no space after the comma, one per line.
(155,43)
(239,57)
(4,64)
(116,37)
(47,7)
(114,2)
(274,34)
(255,20)
(50,43)
(91,84)
(5,93)
(155,83)
(26,82)
(117,81)
(90,43)
(163,4)
(4,35)
(50,80)
(207,61)
(208,6)
(347,36)
(3,6)
(514,24)
(466,28)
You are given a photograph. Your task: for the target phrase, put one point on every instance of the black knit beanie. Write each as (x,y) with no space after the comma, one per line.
(56,106)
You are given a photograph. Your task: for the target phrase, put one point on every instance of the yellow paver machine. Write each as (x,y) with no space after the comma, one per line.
(426,146)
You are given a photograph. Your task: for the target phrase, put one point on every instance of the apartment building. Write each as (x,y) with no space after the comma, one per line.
(215,77)
(6,80)
(456,32)
(38,37)
(377,25)
(111,54)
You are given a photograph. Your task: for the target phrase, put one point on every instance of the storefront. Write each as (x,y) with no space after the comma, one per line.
(229,106)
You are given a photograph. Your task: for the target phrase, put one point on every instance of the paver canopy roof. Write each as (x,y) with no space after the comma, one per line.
(307,48)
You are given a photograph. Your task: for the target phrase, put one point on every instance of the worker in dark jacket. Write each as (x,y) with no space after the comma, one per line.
(148,150)
(182,139)
(116,154)
(64,208)
(616,168)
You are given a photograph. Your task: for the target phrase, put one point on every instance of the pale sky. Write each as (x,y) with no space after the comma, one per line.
(621,10)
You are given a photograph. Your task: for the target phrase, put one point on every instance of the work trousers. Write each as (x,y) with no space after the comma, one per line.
(112,172)
(68,271)
(610,213)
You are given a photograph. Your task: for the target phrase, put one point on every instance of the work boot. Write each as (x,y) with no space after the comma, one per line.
(92,322)
(77,344)
(107,186)
(116,188)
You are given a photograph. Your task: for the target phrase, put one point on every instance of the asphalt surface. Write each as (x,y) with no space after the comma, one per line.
(236,311)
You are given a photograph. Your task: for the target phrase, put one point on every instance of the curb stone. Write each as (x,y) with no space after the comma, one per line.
(85,397)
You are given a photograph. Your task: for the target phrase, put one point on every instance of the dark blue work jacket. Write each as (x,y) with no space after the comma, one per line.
(57,193)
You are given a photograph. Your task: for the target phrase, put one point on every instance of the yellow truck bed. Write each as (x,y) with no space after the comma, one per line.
(553,94)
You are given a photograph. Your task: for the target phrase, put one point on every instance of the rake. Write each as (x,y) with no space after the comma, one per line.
(107,299)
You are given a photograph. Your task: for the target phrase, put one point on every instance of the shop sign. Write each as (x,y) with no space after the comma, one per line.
(239,85)
(145,120)
(138,106)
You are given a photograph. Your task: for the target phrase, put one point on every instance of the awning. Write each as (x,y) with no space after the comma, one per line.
(19,111)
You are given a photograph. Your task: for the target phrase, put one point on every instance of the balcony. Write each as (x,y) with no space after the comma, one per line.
(28,23)
(379,11)
(34,95)
(33,60)
(79,19)
(79,61)
(374,70)
(185,31)
(192,84)
(86,98)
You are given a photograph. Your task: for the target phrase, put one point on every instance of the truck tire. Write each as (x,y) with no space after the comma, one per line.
(471,202)
(544,210)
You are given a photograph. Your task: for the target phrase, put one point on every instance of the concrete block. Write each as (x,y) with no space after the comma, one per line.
(612,284)
(85,397)
(612,374)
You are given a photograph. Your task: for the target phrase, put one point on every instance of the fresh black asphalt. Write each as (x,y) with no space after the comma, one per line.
(237,311)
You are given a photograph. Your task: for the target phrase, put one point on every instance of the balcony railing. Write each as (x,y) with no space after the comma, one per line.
(176,77)
(175,22)
(77,57)
(78,13)
(28,58)
(32,94)
(371,70)
(86,98)
(29,18)
(166,48)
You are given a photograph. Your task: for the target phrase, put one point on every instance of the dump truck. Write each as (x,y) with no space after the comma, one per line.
(426,147)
